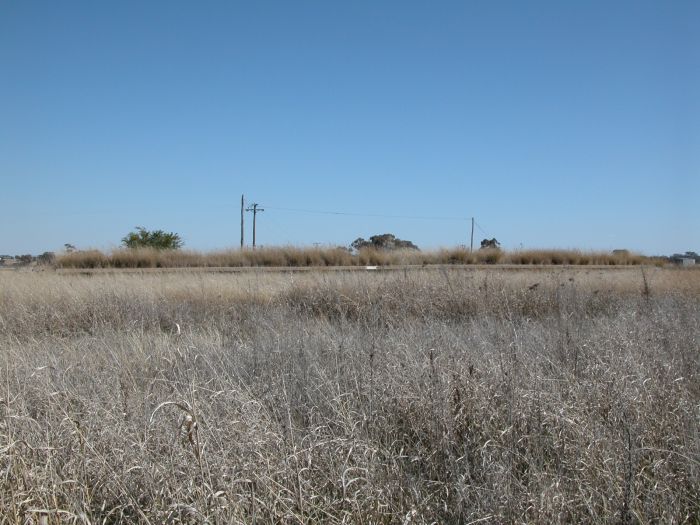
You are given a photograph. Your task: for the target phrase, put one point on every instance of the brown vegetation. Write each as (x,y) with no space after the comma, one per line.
(449,395)
(294,256)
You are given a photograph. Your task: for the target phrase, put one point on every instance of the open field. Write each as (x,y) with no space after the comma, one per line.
(449,395)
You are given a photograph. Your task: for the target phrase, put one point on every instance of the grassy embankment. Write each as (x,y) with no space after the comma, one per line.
(440,395)
(294,256)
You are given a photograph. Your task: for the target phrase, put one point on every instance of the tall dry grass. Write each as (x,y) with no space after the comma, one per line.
(306,257)
(418,396)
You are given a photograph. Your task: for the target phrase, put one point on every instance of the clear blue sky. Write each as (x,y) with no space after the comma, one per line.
(555,124)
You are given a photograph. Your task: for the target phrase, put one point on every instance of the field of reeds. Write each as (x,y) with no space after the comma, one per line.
(416,396)
(307,257)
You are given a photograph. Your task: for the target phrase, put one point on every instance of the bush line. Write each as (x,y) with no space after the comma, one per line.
(311,257)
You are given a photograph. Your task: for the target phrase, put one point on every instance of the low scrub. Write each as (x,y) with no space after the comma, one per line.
(576,257)
(289,256)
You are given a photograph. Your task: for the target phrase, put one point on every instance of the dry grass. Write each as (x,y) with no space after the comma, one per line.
(294,256)
(419,396)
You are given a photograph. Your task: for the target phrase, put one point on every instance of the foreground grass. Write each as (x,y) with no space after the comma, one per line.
(293,256)
(553,396)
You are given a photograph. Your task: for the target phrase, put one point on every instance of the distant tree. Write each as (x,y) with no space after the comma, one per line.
(69,248)
(490,243)
(359,243)
(46,258)
(158,239)
(24,259)
(386,241)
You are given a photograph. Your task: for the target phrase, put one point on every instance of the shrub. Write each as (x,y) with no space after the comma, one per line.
(158,239)
(46,258)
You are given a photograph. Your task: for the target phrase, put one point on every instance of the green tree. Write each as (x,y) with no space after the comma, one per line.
(386,241)
(158,239)
(490,244)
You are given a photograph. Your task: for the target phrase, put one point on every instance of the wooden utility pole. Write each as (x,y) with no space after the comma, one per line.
(471,245)
(255,211)
(242,217)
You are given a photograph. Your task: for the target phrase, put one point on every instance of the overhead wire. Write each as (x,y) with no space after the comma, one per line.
(354,214)
(269,221)
(480,228)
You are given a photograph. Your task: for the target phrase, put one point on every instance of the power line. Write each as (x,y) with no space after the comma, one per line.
(481,229)
(279,229)
(385,216)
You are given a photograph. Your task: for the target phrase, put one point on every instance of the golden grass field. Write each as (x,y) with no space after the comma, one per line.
(554,394)
(292,256)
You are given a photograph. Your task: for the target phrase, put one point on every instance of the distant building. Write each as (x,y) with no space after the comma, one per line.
(685,259)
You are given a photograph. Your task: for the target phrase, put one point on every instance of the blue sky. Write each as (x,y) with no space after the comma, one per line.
(555,124)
